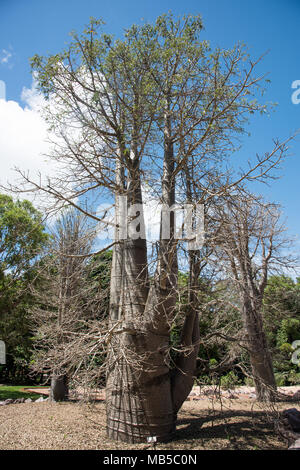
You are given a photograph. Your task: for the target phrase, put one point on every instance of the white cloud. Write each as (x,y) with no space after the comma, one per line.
(32,98)
(105,228)
(23,140)
(5,57)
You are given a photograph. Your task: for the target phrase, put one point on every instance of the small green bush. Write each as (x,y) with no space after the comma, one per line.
(286,348)
(249,382)
(281,378)
(230,381)
(213,362)
(294,377)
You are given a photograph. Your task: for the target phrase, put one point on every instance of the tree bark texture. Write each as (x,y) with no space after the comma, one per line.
(59,390)
(142,396)
(260,358)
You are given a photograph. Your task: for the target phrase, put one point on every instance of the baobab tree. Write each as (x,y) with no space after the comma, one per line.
(147,110)
(250,245)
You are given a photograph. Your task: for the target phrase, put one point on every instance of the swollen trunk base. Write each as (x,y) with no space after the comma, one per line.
(135,417)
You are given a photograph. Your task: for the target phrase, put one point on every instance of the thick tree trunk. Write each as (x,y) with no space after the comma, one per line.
(59,390)
(139,403)
(139,388)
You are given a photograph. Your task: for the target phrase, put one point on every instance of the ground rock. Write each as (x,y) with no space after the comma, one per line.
(210,392)
(295,446)
(19,400)
(232,396)
(293,416)
(39,400)
(296,395)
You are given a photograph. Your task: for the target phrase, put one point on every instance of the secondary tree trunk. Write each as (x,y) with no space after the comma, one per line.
(260,358)
(263,375)
(184,376)
(59,390)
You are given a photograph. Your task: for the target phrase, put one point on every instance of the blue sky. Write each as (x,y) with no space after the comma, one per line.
(42,26)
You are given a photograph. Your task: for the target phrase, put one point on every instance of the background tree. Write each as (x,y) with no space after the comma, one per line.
(22,236)
(70,307)
(251,244)
(281,311)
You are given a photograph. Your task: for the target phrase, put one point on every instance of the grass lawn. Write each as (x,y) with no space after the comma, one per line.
(16,391)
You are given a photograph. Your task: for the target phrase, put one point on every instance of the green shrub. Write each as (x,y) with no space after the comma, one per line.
(213,362)
(286,348)
(230,380)
(249,381)
(294,377)
(289,331)
(281,378)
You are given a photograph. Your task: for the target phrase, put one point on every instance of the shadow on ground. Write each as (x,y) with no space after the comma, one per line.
(241,429)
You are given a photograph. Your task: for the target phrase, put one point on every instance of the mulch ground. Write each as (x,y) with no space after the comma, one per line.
(203,424)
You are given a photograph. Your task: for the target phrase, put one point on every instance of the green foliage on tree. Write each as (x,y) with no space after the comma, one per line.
(22,236)
(282,323)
